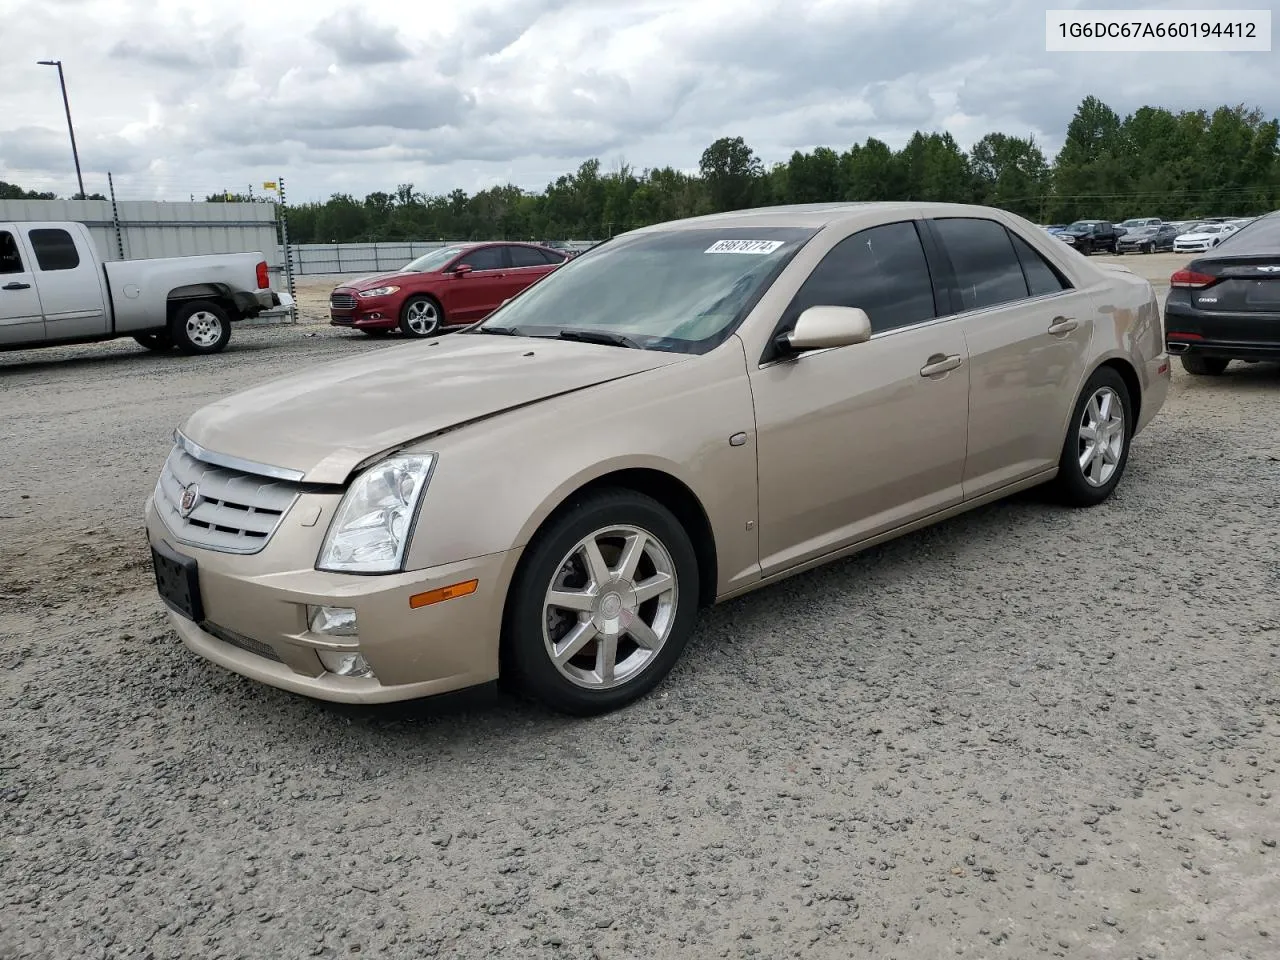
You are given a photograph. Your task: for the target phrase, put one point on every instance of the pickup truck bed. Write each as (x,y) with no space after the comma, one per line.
(55,289)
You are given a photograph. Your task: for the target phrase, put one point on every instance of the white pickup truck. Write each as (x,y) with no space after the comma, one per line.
(55,289)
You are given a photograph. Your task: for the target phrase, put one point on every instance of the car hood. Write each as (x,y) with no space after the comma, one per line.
(378,280)
(1138,235)
(1198,236)
(324,422)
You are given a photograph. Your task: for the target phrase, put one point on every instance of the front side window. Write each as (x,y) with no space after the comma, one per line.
(485,258)
(881,270)
(54,249)
(10,258)
(681,290)
(987,270)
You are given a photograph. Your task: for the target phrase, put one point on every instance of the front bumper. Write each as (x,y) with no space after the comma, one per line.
(255,618)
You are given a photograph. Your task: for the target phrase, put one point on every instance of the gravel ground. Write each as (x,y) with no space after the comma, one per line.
(1025,732)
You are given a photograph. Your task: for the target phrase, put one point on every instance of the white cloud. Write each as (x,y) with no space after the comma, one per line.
(187,97)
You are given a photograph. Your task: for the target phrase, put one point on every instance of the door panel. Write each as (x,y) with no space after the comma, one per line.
(856,441)
(21,320)
(70,285)
(1022,385)
(1027,334)
(477,294)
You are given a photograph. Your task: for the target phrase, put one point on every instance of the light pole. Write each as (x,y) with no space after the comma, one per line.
(75,154)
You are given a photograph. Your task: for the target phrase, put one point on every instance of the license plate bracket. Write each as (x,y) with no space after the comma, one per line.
(178,581)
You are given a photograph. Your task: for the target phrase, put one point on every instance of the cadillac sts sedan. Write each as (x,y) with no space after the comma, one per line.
(681,415)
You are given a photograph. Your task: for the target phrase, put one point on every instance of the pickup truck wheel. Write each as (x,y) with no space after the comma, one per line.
(200,327)
(158,342)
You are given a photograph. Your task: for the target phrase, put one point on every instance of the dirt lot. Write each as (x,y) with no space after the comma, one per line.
(1026,732)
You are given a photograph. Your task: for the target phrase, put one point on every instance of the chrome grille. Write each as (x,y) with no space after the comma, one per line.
(342,301)
(235,512)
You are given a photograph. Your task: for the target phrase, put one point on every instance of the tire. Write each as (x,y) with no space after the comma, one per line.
(1204,366)
(557,560)
(421,317)
(1089,485)
(200,327)
(160,342)
(1149,248)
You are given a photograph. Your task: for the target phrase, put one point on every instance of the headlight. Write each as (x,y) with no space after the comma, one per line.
(370,531)
(378,291)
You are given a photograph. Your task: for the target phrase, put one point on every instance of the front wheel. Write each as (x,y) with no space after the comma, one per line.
(604,602)
(200,327)
(1096,449)
(1204,366)
(155,342)
(1149,248)
(420,317)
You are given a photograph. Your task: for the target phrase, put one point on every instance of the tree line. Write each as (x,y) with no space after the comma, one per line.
(1153,162)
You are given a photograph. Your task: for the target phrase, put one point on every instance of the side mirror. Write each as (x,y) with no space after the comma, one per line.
(462,269)
(819,328)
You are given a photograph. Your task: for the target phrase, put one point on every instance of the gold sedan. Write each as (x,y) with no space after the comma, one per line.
(685,413)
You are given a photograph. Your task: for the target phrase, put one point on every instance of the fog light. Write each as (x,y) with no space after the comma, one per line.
(345,664)
(332,621)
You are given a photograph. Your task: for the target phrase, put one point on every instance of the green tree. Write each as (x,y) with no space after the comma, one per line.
(732,173)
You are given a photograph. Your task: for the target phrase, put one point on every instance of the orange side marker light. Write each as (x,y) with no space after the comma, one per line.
(443,593)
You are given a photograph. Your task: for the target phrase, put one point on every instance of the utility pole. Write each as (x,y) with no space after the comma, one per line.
(66,103)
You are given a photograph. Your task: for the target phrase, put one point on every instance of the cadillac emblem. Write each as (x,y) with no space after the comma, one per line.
(190,497)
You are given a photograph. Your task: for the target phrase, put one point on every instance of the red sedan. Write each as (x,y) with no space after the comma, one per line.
(454,286)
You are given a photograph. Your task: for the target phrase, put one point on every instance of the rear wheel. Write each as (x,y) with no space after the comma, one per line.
(200,327)
(1204,366)
(604,603)
(1097,445)
(157,342)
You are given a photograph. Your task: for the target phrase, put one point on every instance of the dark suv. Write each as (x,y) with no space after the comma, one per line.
(1090,236)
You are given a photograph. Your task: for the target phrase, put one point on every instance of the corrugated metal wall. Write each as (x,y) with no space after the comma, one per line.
(161,229)
(355,258)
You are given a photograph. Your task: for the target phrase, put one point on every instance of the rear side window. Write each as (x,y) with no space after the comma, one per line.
(10,259)
(553,256)
(987,270)
(882,270)
(54,249)
(1042,278)
(526,257)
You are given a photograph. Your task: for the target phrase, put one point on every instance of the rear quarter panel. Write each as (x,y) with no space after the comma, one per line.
(1129,328)
(141,289)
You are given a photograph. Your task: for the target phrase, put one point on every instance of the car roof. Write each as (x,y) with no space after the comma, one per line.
(818,215)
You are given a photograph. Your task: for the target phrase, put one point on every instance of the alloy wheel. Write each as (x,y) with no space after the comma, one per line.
(1102,436)
(204,329)
(610,608)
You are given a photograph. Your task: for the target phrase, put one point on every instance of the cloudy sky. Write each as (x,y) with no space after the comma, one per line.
(177,97)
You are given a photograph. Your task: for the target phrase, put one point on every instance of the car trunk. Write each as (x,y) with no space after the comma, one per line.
(1245,284)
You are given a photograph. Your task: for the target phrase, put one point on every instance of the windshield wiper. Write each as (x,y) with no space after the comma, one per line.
(599,336)
(501,331)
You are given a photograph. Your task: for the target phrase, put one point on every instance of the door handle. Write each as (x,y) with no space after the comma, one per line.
(939,364)
(15,285)
(1063,325)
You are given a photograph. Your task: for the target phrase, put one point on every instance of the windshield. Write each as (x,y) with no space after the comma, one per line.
(1082,226)
(1209,228)
(432,261)
(1135,224)
(678,290)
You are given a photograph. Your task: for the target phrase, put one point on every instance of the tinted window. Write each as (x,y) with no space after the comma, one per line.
(1042,278)
(486,258)
(54,249)
(882,270)
(552,256)
(986,267)
(1260,236)
(10,259)
(526,257)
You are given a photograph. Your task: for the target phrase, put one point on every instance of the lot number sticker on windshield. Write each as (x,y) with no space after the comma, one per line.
(758,247)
